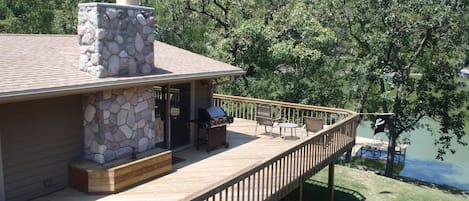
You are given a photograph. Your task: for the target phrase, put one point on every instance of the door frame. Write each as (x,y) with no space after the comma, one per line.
(193,127)
(167,122)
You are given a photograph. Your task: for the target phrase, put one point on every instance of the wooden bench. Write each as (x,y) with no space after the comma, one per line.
(118,175)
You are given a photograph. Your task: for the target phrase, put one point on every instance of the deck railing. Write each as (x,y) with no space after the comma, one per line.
(276,177)
(245,108)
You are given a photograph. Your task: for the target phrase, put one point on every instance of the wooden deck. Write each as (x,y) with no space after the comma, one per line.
(200,170)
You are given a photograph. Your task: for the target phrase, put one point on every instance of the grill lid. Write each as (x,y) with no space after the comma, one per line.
(215,112)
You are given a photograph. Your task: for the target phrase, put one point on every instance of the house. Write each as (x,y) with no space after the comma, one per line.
(112,92)
(63,97)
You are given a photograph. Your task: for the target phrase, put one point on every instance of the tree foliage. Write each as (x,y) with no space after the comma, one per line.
(28,16)
(40,16)
(287,53)
(387,41)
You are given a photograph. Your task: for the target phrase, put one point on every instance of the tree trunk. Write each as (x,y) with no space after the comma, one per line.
(391,148)
(392,134)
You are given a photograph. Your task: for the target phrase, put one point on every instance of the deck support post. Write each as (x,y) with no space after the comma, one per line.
(331,181)
(348,155)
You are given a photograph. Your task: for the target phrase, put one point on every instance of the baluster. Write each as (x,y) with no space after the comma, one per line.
(240,109)
(253,106)
(254,186)
(232,192)
(269,187)
(282,110)
(297,116)
(282,173)
(248,110)
(296,169)
(303,160)
(259,184)
(302,116)
(314,152)
(241,106)
(274,178)
(226,194)
(293,111)
(310,156)
(245,110)
(249,187)
(264,182)
(243,189)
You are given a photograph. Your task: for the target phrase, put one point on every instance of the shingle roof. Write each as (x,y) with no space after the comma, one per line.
(38,65)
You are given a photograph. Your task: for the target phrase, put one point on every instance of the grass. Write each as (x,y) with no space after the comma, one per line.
(375,165)
(357,185)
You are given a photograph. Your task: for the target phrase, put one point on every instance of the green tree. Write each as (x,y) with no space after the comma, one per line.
(40,16)
(178,26)
(388,40)
(65,16)
(28,16)
(287,54)
(5,17)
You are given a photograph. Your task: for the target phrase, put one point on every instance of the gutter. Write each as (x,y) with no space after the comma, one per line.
(26,95)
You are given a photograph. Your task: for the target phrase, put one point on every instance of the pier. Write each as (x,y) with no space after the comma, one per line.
(377,149)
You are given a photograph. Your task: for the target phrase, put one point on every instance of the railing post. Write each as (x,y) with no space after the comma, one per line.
(331,181)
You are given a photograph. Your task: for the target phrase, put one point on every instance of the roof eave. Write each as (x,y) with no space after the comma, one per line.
(26,95)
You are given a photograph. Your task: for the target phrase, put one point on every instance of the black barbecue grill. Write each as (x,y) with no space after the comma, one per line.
(213,117)
(212,123)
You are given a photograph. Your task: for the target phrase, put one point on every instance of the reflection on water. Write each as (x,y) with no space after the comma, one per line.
(436,172)
(420,159)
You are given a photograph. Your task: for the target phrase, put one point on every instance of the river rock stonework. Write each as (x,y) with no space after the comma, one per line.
(116,40)
(118,122)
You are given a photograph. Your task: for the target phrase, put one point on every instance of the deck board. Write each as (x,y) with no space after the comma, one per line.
(200,169)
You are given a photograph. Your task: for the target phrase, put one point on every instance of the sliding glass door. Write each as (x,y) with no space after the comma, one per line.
(174,133)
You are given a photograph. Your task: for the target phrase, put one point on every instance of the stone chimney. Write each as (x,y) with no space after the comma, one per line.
(116,40)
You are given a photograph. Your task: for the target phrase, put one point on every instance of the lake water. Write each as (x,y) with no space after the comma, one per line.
(420,160)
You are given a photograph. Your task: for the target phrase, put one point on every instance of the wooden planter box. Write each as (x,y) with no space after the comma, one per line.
(118,175)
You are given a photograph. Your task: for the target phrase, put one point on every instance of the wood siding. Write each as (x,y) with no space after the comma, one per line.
(203,94)
(39,139)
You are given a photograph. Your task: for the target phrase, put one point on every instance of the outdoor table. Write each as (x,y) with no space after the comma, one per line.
(291,126)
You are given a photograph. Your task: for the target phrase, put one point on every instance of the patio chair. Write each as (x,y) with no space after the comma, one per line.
(313,124)
(264,118)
